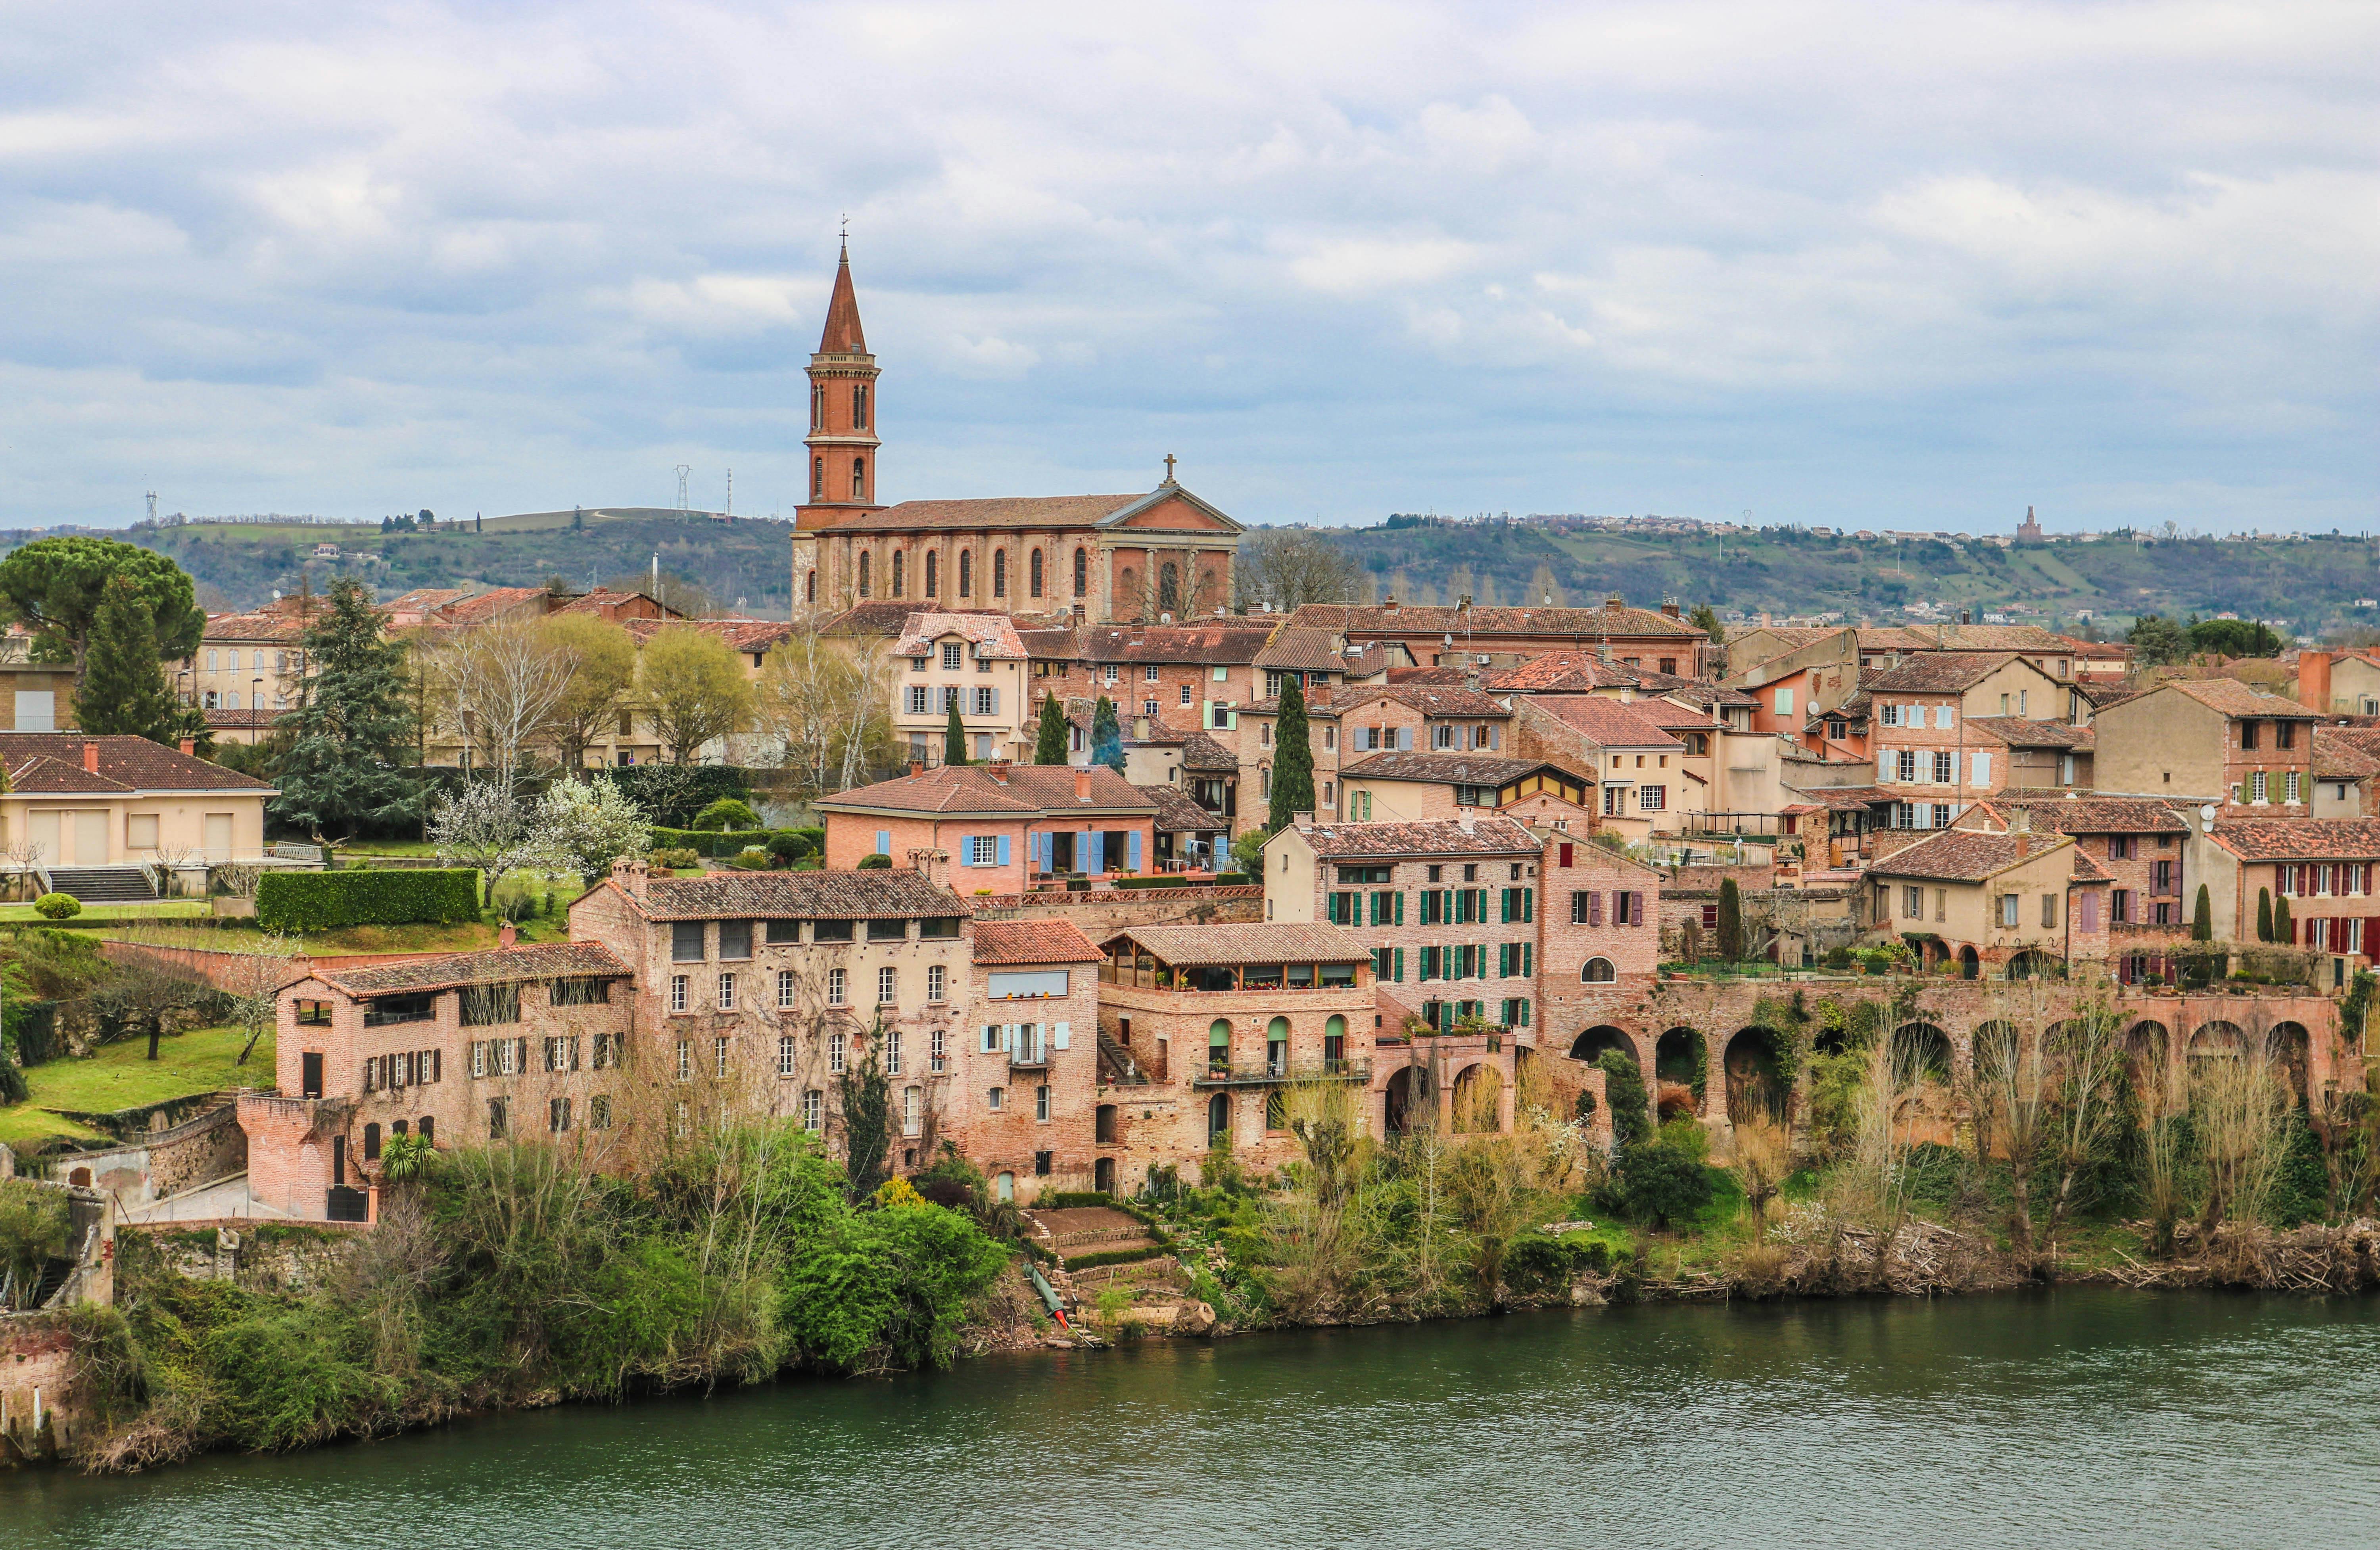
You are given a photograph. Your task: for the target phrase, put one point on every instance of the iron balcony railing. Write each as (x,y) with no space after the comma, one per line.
(1266,1072)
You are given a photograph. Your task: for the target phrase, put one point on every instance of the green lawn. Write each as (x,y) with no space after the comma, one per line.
(121,1076)
(165,909)
(462,936)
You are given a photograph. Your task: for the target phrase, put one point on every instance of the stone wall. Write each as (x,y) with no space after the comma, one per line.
(40,1414)
(1101,912)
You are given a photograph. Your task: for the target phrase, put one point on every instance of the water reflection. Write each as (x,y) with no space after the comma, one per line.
(2078,1416)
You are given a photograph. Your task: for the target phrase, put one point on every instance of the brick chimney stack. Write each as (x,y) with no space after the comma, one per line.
(189,747)
(999,769)
(1082,785)
(91,757)
(506,935)
(916,767)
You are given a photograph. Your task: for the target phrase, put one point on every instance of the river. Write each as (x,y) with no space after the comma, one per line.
(2075,1417)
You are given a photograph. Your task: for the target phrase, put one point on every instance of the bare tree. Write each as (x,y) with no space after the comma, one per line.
(829,705)
(1284,568)
(147,987)
(502,683)
(260,966)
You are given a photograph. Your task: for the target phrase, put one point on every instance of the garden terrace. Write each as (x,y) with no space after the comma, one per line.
(1236,957)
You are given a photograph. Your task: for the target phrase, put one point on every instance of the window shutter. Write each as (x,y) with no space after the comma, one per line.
(1059,1034)
(1495,737)
(966,850)
(1095,848)
(1002,852)
(1595,908)
(1404,740)
(1565,855)
(1401,913)
(995,702)
(1505,905)
(883,841)
(1636,909)
(991,1038)
(1528,906)
(1528,966)
(1131,850)
(1401,961)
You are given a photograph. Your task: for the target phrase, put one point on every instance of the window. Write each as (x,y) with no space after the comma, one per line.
(1650,799)
(835,1054)
(727,992)
(784,990)
(1185,697)
(966,573)
(499,1118)
(2256,786)
(1033,574)
(1041,1103)
(686,942)
(887,985)
(2289,781)
(913,1111)
(686,1060)
(813,1108)
(938,1052)
(599,1114)
(2048,909)
(862,555)
(1598,971)
(388,1011)
(996,1099)
(561,1052)
(1942,717)
(936,980)
(677,993)
(1082,572)
(1943,772)
(986,701)
(2285,734)
(897,561)
(579,992)
(2247,734)
(1149,707)
(933,575)
(2009,911)
(834,988)
(953,655)
(1913,903)
(1784,700)
(557,1115)
(2119,906)
(859,479)
(785,1054)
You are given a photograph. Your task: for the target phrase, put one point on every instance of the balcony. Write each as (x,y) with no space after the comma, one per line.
(1269,1073)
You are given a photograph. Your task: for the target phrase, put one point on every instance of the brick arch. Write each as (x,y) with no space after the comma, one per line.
(1592,1043)
(1682,1066)
(1478,1093)
(1754,1065)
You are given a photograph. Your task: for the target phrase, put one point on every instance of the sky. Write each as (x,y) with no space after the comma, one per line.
(1887,265)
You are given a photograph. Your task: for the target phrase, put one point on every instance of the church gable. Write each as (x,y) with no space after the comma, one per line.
(1175,510)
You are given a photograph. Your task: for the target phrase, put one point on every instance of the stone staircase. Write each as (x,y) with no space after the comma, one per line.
(104,885)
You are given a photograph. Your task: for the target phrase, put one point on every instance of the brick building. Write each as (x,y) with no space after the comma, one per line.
(2139,843)
(973,661)
(2322,867)
(2211,740)
(1641,779)
(996,827)
(2015,900)
(1494,638)
(1413,788)
(1019,1102)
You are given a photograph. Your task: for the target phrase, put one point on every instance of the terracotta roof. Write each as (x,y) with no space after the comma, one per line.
(1233,642)
(1301,650)
(1795,636)
(1428,675)
(51,761)
(1200,945)
(1560,672)
(1464,769)
(2087,870)
(1442,837)
(2019,733)
(955,790)
(494,603)
(497,966)
(1372,662)
(999,942)
(2337,757)
(422,599)
(2101,696)
(992,634)
(1317,703)
(2299,839)
(1176,813)
(603,599)
(880,617)
(1664,712)
(1586,623)
(263,624)
(1938,673)
(1964,638)
(739,635)
(1607,722)
(996,514)
(2234,698)
(842,335)
(1202,752)
(1431,700)
(1965,856)
(852,895)
(2095,815)
(1701,692)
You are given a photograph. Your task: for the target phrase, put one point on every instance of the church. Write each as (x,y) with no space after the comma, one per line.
(1054,559)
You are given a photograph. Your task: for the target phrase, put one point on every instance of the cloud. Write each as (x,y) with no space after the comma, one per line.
(1809,258)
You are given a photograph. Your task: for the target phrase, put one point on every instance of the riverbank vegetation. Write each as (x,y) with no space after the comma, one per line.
(517,1275)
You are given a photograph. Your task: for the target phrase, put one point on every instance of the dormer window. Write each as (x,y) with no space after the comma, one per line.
(951,653)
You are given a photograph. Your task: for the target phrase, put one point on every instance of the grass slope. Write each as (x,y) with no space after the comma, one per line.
(120,1076)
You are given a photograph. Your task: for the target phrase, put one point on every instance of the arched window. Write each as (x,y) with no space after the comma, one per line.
(999,573)
(859,479)
(966,573)
(1218,1046)
(396,1127)
(818,479)
(1219,1118)
(1082,572)
(932,579)
(1126,587)
(1033,574)
(897,568)
(1277,1046)
(1169,588)
(428,1129)
(1598,971)
(818,405)
(863,573)
(371,1144)
(809,586)
(859,406)
(1334,1042)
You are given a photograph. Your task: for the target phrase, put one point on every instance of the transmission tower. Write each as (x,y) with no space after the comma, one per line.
(683,470)
(730,507)
(152,505)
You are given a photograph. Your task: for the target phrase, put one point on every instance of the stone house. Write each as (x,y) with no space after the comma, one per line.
(1260,725)
(1234,1016)
(1412,788)
(2017,901)
(2140,843)
(1018,1100)
(2322,867)
(2346,763)
(974,661)
(1449,907)
(468,1048)
(2209,740)
(996,827)
(90,810)
(1643,778)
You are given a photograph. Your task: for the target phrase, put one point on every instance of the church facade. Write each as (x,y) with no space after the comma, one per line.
(1083,559)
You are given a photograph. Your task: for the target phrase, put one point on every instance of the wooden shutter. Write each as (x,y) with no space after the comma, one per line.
(1595,908)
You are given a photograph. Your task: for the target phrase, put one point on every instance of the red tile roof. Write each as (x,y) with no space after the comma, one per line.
(1176,813)
(1607,722)
(1301,650)
(2234,698)
(991,635)
(2094,815)
(1431,700)
(2019,733)
(51,761)
(995,515)
(1203,945)
(852,895)
(1938,673)
(738,635)
(1965,856)
(538,960)
(1024,788)
(1583,623)
(882,616)
(1225,643)
(2299,839)
(1444,836)
(1005,942)
(1461,769)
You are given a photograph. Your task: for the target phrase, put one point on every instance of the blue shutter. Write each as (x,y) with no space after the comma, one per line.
(1003,851)
(883,841)
(1132,850)
(966,850)
(1098,842)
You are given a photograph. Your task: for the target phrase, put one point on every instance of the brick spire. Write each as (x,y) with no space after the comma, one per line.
(843,337)
(843,410)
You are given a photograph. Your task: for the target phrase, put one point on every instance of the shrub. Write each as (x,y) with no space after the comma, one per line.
(888,1287)
(1535,1262)
(35,1228)
(327,900)
(728,812)
(58,906)
(1161,880)
(1658,1184)
(1113,1256)
(874,863)
(675,858)
(1624,1089)
(789,845)
(752,858)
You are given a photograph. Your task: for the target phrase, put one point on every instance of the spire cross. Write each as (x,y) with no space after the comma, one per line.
(1169,467)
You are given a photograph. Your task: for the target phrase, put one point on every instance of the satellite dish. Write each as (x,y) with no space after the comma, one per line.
(2207,815)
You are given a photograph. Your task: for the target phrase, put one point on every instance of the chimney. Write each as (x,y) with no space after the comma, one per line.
(1303,820)
(1966,616)
(916,767)
(1764,618)
(999,769)
(633,877)
(1466,819)
(1082,785)
(189,747)
(506,935)
(1613,602)
(2313,681)
(1670,607)
(91,757)
(1389,603)
(2020,820)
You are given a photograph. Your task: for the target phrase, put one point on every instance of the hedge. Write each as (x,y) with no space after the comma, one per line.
(1163,881)
(1114,1256)
(720,843)
(326,900)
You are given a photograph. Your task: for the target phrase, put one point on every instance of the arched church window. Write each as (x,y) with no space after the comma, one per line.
(818,406)
(1169,588)
(967,573)
(860,406)
(863,573)
(1033,574)
(1082,572)
(932,581)
(896,572)
(809,586)
(999,573)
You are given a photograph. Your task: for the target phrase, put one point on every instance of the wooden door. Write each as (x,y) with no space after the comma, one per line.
(90,838)
(42,829)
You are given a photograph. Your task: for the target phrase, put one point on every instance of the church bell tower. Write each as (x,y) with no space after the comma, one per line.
(842,407)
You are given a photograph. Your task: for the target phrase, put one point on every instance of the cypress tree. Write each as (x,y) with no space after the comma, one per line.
(2201,917)
(1107,737)
(352,735)
(2263,914)
(1050,745)
(1293,765)
(123,690)
(2284,930)
(1731,921)
(954,739)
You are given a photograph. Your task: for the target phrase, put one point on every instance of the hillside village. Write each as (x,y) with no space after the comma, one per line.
(1092,870)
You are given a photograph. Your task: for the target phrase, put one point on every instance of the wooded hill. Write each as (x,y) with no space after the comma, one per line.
(2310,583)
(747,558)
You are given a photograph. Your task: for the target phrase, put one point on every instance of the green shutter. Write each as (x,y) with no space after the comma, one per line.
(1528,906)
(1401,961)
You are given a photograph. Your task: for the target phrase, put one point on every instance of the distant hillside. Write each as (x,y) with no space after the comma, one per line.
(2312,583)
(747,558)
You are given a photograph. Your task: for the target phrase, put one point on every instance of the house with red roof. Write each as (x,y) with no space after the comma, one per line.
(103,818)
(996,827)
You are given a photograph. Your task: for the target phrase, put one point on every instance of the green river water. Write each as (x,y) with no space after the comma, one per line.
(2078,1416)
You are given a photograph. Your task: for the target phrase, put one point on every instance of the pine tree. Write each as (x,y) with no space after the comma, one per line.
(2201,917)
(1292,766)
(352,735)
(954,739)
(1106,736)
(2263,914)
(2284,930)
(1050,744)
(1731,921)
(123,690)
